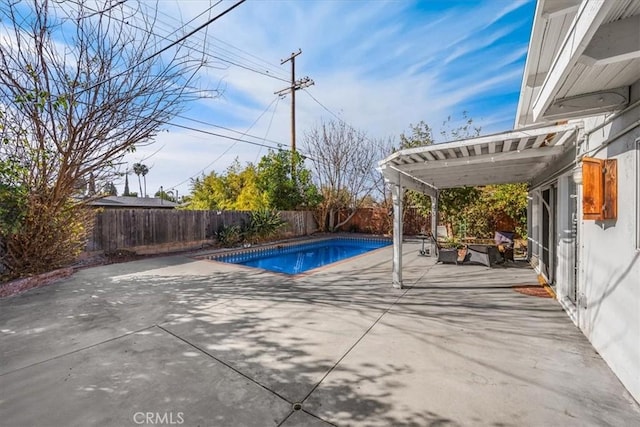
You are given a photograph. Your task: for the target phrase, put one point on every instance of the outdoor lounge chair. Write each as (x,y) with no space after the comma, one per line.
(483,254)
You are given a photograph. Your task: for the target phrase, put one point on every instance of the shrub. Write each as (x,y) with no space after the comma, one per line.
(48,236)
(230,235)
(264,224)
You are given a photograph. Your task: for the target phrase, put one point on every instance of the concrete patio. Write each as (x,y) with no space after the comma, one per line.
(174,340)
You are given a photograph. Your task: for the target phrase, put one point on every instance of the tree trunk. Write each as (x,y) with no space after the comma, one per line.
(332,214)
(351,214)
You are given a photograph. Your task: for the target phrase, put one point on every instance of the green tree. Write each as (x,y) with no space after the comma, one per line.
(247,193)
(452,202)
(495,204)
(285,181)
(420,135)
(206,192)
(126,191)
(474,210)
(253,188)
(165,195)
(13,197)
(110,189)
(236,189)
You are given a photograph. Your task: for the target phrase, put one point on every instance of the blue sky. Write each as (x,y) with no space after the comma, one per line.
(379,66)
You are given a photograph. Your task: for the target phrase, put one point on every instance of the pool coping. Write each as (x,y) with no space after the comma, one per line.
(213,256)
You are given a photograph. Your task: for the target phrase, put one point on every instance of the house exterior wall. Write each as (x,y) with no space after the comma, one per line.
(607,307)
(610,260)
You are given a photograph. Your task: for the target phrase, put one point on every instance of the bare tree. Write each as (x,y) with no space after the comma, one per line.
(79,88)
(382,147)
(344,162)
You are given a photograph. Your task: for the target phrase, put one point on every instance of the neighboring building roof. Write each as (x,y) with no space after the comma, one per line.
(133,202)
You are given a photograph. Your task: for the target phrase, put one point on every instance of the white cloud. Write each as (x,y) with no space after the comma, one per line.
(379,65)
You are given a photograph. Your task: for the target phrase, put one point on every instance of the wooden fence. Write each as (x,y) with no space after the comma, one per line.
(379,221)
(163,230)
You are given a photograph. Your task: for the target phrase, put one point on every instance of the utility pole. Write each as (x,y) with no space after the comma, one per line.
(295,85)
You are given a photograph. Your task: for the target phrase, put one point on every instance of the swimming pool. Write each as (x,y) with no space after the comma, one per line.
(296,259)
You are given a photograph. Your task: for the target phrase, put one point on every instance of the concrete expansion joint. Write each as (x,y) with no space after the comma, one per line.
(364,334)
(206,353)
(81,349)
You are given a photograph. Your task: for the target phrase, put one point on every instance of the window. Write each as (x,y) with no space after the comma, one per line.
(600,188)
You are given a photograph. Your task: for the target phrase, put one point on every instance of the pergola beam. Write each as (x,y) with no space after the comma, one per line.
(393,173)
(477,142)
(484,159)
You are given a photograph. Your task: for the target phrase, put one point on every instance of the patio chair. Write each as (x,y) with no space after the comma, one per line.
(483,254)
(504,241)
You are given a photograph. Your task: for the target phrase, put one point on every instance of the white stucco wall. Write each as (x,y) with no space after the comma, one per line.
(607,308)
(609,276)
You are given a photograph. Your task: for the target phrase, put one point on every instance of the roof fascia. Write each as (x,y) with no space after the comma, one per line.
(588,19)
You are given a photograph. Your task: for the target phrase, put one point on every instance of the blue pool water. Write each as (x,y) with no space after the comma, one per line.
(300,258)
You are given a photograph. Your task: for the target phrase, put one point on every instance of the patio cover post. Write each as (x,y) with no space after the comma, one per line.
(396,196)
(434,220)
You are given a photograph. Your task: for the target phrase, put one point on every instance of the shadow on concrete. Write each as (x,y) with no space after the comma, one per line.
(342,342)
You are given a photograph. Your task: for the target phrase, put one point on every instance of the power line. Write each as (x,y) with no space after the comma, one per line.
(222,57)
(337,117)
(264,139)
(268,129)
(225,57)
(169,46)
(233,138)
(228,137)
(327,109)
(270,65)
(264,63)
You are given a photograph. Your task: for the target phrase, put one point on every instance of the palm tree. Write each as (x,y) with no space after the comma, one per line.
(140,169)
(144,170)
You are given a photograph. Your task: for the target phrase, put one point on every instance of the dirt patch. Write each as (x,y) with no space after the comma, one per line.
(23,284)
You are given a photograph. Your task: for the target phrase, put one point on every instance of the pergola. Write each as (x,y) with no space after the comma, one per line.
(508,157)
